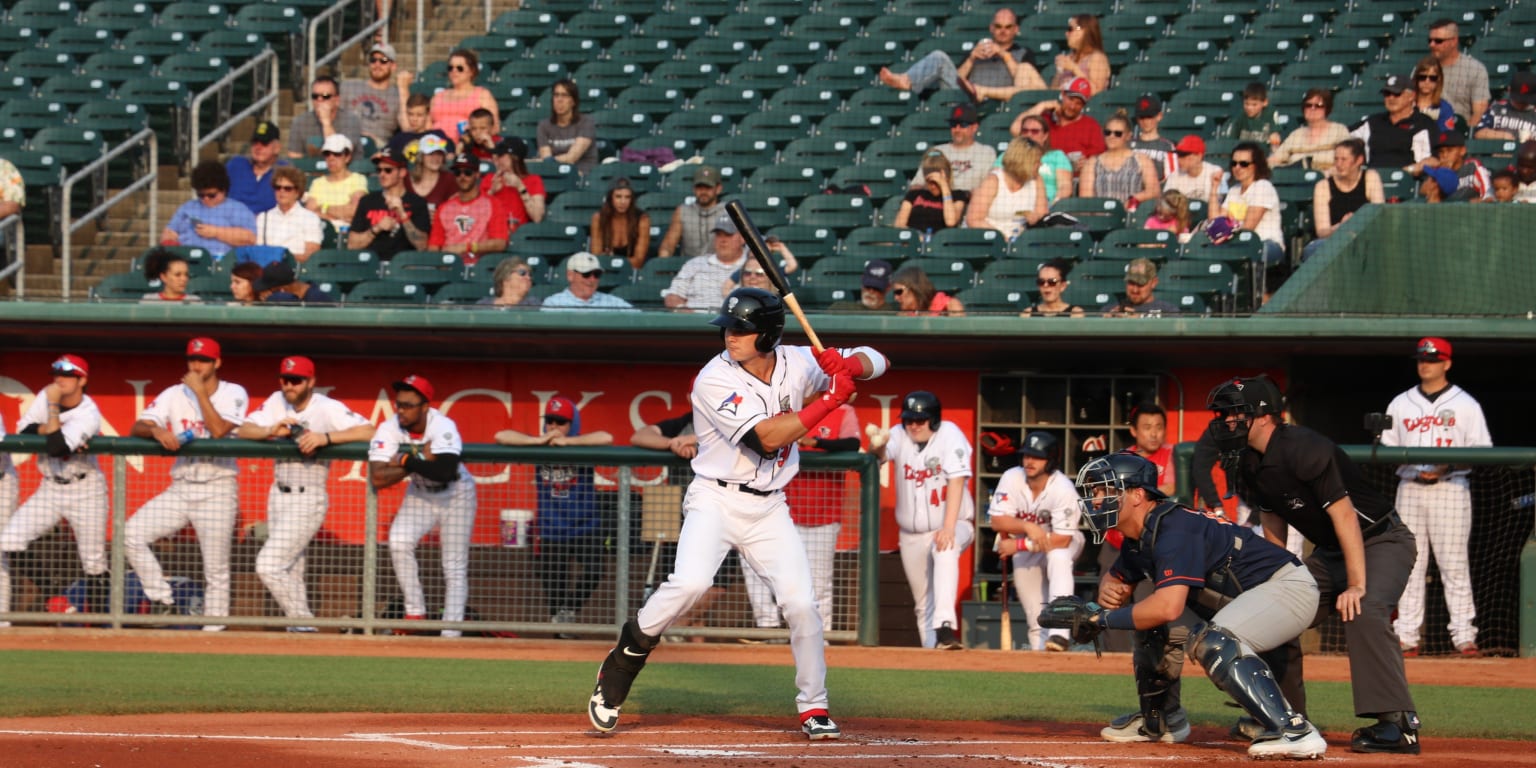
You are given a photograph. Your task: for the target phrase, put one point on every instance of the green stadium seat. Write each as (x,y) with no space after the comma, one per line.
(732,101)
(743,152)
(647,51)
(157,42)
(758,28)
(825,28)
(899,150)
(950,275)
(680,28)
(862,10)
(194,17)
(71,145)
(39,64)
(1367,21)
(1234,76)
(928,126)
(842,213)
(387,292)
(463,293)
(976,246)
(658,273)
(15,38)
(766,74)
(935,9)
(116,120)
(117,67)
(124,287)
(836,271)
(903,28)
(602,26)
(721,53)
(810,244)
(889,103)
(642,295)
(1098,215)
(1127,244)
(236,44)
(195,70)
(1218,26)
(791,181)
(858,128)
(773,7)
(1189,52)
(870,52)
(210,288)
(894,244)
(116,15)
(577,206)
(1040,245)
(882,181)
(621,126)
(43,14)
(80,41)
(696,127)
(495,51)
(713,10)
(799,53)
(679,147)
(768,210)
(341,267)
(1165,79)
(548,239)
(984,299)
(827,153)
(558,177)
(29,115)
(687,74)
(1356,53)
(842,76)
(1133,25)
(643,177)
(1007,273)
(570,51)
(1213,281)
(816,297)
(779,127)
(525,24)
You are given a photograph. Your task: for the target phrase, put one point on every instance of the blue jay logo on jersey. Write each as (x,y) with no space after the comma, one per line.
(729,404)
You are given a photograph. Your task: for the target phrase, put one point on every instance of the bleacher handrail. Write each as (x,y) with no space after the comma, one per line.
(68,225)
(336,51)
(268,101)
(15,252)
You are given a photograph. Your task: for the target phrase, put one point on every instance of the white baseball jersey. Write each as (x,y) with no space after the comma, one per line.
(176,409)
(320,414)
(77,425)
(728,402)
(441,437)
(1055,509)
(922,476)
(6,467)
(1452,420)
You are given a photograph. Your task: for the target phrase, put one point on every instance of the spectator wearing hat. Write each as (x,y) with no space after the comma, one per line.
(1514,116)
(1347,189)
(689,234)
(250,175)
(430,176)
(969,161)
(210,220)
(934,205)
(334,195)
(469,223)
(1466,79)
(520,193)
(998,66)
(279,285)
(567,135)
(379,100)
(1400,136)
(1255,121)
(288,224)
(1195,178)
(1072,130)
(1313,143)
(1459,177)
(452,106)
(697,285)
(583,274)
(325,118)
(1140,299)
(392,219)
(1119,172)
(1147,141)
(620,227)
(874,286)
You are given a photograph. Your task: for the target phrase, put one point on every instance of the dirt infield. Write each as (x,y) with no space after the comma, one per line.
(656,741)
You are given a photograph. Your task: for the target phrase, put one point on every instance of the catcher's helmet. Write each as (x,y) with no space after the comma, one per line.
(1042,445)
(1245,398)
(753,310)
(1101,481)
(921,405)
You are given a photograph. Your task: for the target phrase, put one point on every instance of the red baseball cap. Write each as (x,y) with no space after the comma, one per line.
(297,366)
(560,407)
(419,384)
(1192,144)
(71,365)
(1079,87)
(1433,349)
(204,347)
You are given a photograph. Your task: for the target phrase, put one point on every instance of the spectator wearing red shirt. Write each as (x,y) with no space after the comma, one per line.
(469,223)
(1072,131)
(520,193)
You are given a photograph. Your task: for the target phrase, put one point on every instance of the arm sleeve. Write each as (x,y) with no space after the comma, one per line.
(839,445)
(441,468)
(58,445)
(671,428)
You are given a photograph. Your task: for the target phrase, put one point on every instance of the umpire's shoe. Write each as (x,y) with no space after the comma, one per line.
(1125,729)
(817,725)
(1397,732)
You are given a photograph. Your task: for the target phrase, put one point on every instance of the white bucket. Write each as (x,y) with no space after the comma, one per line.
(514,527)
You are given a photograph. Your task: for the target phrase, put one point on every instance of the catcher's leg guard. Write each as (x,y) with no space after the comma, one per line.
(1247,680)
(1158,664)
(617,674)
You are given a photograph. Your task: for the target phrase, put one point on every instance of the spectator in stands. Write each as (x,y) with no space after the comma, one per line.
(1252,202)
(689,233)
(697,284)
(583,273)
(1398,137)
(520,193)
(1256,122)
(250,176)
(1313,143)
(1055,167)
(752,274)
(242,283)
(935,205)
(415,122)
(393,218)
(1119,172)
(1505,186)
(915,294)
(620,228)
(429,175)
(1514,116)
(1073,132)
(469,224)
(1012,197)
(325,119)
(1525,171)
(13,193)
(334,196)
(451,107)
(479,138)
(1347,189)
(378,101)
(567,135)
(512,282)
(279,286)
(1428,90)
(1460,178)
(288,224)
(968,160)
(998,66)
(1466,79)
(1197,179)
(211,220)
(1147,141)
(1140,299)
(1171,215)
(1084,60)
(1051,282)
(173,272)
(873,286)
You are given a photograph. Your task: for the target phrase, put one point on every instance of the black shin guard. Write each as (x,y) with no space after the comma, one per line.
(624,662)
(1157,663)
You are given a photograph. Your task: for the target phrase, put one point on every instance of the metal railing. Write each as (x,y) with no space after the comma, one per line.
(261,98)
(68,225)
(15,239)
(331,16)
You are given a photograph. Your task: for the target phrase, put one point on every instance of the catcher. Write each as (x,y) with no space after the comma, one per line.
(1251,594)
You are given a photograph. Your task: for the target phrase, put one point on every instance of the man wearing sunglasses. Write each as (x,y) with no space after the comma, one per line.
(1514,116)
(392,219)
(71,484)
(584,272)
(379,101)
(325,118)
(297,501)
(1466,78)
(250,176)
(469,223)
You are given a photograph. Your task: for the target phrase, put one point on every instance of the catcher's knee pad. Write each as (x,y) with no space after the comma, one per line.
(1244,677)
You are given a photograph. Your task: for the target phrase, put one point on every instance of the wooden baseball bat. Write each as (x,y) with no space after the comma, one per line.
(759,249)
(1005,625)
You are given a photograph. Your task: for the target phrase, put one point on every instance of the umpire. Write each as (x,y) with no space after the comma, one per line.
(1363,553)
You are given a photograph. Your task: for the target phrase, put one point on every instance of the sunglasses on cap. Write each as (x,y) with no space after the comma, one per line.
(66,368)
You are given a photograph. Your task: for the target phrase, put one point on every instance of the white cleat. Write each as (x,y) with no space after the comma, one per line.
(819,727)
(1130,729)
(603,717)
(1291,745)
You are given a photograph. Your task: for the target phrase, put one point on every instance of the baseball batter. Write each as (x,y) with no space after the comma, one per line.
(748,415)
(1436,500)
(9,492)
(71,484)
(203,491)
(934,510)
(1035,514)
(297,500)
(423,447)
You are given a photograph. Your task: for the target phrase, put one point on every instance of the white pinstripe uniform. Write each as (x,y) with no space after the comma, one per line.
(1440,513)
(921,475)
(203,491)
(297,501)
(1040,576)
(9,489)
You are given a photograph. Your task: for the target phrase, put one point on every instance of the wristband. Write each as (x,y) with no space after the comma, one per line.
(1025,544)
(812,414)
(1119,618)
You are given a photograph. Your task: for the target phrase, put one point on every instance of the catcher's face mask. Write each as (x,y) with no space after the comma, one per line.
(1099,488)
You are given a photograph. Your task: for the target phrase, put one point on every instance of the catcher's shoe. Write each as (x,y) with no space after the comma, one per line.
(1058,644)
(1301,744)
(947,640)
(817,725)
(1246,728)
(1131,728)
(1397,732)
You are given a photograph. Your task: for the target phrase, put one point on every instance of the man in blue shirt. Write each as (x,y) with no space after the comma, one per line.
(250,177)
(583,271)
(211,220)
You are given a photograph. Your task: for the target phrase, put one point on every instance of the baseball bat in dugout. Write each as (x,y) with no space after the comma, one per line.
(1005,623)
(759,249)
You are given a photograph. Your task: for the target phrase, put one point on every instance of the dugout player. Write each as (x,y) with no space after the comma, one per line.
(1362,552)
(1253,596)
(297,500)
(10,488)
(204,491)
(423,447)
(1035,513)
(748,415)
(71,484)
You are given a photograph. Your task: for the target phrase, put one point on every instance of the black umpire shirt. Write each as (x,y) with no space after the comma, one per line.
(1299,474)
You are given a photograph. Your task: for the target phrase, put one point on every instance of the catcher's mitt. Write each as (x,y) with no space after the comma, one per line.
(1079,617)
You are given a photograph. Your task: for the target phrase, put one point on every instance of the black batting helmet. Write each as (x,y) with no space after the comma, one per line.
(921,405)
(1042,445)
(753,310)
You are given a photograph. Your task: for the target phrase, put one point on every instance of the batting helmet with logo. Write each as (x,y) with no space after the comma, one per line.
(753,310)
(1042,445)
(920,406)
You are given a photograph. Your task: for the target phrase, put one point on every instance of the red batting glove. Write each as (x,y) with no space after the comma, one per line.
(833,363)
(841,390)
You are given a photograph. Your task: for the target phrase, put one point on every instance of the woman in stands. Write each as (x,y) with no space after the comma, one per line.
(242,283)
(620,228)
(173,271)
(916,295)
(1085,57)
(521,193)
(1051,282)
(451,107)
(334,196)
(1012,196)
(936,205)
(1429,87)
(1119,172)
(1252,202)
(512,281)
(1055,166)
(1312,144)
(427,176)
(567,135)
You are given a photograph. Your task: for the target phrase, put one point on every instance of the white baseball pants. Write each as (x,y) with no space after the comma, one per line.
(82,502)
(452,512)
(211,508)
(1440,517)
(934,577)
(1039,577)
(293,518)
(9,492)
(820,549)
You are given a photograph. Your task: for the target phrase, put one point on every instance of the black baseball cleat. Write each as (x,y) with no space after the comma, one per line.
(604,718)
(946,639)
(1397,732)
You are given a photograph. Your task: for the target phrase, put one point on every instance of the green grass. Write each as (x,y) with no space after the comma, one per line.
(59,683)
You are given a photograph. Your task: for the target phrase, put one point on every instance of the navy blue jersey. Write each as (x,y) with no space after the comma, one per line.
(1299,475)
(1187,547)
